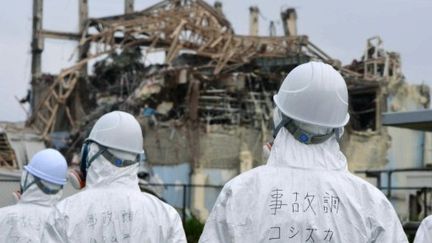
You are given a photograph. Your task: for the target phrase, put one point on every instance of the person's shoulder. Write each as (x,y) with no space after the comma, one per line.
(75,200)
(155,204)
(12,209)
(150,200)
(74,197)
(427,222)
(365,186)
(154,200)
(9,212)
(245,178)
(7,208)
(372,197)
(242,184)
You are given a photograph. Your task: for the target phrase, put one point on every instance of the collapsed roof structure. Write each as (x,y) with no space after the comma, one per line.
(213,82)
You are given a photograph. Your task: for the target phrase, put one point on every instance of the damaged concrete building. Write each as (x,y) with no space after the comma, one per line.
(368,145)
(207,110)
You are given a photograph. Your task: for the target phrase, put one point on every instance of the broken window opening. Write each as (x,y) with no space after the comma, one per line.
(363,109)
(7,154)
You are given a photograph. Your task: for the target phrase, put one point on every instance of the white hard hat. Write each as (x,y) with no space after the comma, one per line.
(48,165)
(118,130)
(314,93)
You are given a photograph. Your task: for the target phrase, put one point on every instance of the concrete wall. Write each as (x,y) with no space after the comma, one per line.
(391,147)
(406,151)
(407,147)
(366,150)
(219,147)
(199,199)
(173,174)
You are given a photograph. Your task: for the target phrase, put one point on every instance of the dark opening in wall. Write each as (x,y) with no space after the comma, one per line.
(363,110)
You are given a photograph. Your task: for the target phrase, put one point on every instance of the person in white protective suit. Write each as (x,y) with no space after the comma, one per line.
(111,208)
(41,184)
(305,192)
(424,232)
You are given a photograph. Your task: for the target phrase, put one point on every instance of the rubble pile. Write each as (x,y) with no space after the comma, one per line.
(214,89)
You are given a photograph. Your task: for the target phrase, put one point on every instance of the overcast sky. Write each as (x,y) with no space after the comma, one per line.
(338,27)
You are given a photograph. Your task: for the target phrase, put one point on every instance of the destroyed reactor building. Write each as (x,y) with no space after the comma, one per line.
(209,105)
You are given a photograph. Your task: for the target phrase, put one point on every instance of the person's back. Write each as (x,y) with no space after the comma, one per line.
(304,193)
(112,208)
(302,196)
(23,221)
(424,232)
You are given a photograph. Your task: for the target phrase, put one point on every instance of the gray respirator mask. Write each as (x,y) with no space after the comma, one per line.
(300,134)
(78,177)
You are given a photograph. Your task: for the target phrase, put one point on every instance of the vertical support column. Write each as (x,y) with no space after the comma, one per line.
(37,46)
(427,149)
(379,96)
(83,17)
(184,203)
(272,29)
(389,184)
(83,14)
(246,158)
(366,59)
(129,6)
(193,123)
(77,110)
(253,21)
(198,207)
(425,204)
(289,21)
(218,7)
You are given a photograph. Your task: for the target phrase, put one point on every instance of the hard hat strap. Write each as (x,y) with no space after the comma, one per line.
(302,135)
(108,156)
(39,184)
(85,162)
(25,186)
(285,120)
(338,133)
(101,151)
(117,161)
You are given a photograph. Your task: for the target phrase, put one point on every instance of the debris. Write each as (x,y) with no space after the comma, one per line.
(164,107)
(212,98)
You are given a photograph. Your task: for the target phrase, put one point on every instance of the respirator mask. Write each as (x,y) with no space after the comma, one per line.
(78,177)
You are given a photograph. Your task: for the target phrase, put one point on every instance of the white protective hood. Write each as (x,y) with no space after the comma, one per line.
(102,173)
(113,209)
(304,194)
(23,221)
(424,232)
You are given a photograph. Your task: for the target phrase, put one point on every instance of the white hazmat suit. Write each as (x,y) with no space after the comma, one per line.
(303,194)
(23,222)
(424,232)
(113,209)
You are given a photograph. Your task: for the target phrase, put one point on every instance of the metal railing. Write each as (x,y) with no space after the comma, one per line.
(377,174)
(186,194)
